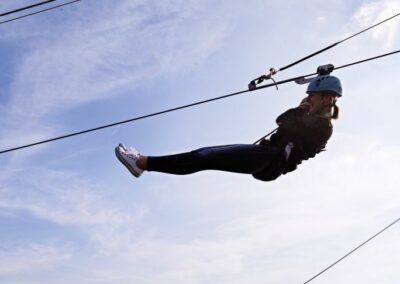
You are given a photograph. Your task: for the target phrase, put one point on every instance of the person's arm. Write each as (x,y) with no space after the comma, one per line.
(293,113)
(290,116)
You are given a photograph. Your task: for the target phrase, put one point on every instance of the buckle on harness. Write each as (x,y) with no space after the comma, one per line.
(288,150)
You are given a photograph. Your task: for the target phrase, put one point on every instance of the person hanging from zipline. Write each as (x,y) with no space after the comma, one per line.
(302,133)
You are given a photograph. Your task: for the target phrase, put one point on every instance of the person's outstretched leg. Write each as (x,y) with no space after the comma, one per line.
(242,158)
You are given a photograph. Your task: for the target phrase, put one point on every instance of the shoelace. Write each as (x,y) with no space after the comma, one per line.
(132,153)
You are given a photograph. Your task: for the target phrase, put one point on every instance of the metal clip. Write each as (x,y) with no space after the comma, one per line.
(253,84)
(288,150)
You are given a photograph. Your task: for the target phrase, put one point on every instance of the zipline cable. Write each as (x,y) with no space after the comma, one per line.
(349,253)
(187,106)
(26,8)
(368,59)
(337,43)
(40,11)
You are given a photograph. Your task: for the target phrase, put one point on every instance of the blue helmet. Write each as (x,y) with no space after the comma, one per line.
(325,84)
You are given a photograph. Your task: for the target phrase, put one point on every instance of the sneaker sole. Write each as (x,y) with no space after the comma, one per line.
(122,160)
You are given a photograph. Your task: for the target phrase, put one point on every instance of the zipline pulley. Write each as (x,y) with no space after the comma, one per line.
(325,69)
(321,71)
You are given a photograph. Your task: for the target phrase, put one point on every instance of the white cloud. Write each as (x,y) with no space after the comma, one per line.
(65,199)
(31,258)
(117,46)
(373,12)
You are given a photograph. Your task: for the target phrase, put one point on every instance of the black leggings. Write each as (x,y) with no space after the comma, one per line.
(239,158)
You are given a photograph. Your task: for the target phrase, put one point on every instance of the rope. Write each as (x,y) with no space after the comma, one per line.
(185,106)
(358,247)
(26,8)
(265,136)
(38,12)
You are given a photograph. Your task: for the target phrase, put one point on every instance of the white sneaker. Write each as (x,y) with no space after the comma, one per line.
(129,157)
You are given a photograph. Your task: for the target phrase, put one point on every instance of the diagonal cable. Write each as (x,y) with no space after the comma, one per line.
(337,43)
(40,11)
(25,8)
(349,253)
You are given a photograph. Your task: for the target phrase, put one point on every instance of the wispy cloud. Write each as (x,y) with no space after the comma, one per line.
(375,11)
(115,48)
(65,199)
(31,258)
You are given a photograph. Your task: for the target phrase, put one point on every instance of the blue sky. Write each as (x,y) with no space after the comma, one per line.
(70,213)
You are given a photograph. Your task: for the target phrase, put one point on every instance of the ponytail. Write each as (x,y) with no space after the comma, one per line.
(335,114)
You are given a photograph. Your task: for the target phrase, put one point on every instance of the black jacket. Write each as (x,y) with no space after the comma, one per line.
(309,135)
